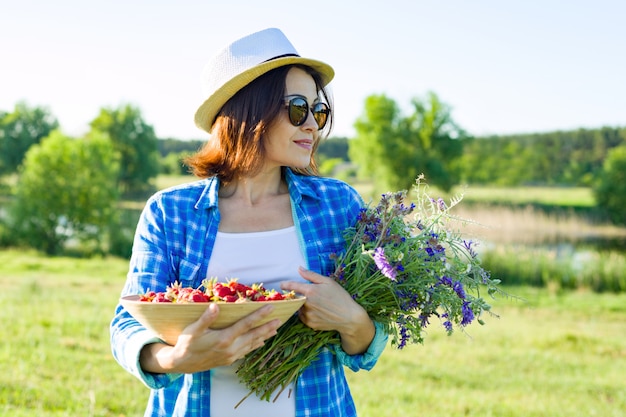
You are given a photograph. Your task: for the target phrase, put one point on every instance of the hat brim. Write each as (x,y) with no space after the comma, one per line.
(206,113)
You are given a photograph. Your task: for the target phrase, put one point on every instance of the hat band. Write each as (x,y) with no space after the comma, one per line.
(281,56)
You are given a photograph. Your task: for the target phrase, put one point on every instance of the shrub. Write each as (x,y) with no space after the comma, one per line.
(66,191)
(610,188)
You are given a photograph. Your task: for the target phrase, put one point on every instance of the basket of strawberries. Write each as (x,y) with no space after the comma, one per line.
(167,313)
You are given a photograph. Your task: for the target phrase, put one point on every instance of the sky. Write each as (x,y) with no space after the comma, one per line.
(503,67)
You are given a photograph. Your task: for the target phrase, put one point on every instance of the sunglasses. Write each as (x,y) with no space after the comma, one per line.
(298,108)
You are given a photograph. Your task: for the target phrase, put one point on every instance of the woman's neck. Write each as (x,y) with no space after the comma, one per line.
(253,190)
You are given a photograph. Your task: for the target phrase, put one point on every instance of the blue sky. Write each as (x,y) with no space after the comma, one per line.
(503,66)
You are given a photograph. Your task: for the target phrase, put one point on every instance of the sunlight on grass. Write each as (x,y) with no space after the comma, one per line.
(557,354)
(535,360)
(57,361)
(551,196)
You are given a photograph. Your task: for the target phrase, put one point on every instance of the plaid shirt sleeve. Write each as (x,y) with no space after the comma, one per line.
(168,247)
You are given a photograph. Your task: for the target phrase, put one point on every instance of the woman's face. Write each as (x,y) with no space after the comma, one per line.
(286,144)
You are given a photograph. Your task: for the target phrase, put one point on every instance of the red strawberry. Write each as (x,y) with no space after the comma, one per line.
(161,298)
(222,291)
(275,296)
(199,297)
(149,296)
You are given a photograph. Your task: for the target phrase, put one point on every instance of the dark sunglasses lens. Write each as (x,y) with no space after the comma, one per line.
(320,113)
(298,111)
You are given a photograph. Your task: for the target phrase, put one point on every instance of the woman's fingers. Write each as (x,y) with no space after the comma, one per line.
(206,319)
(302,287)
(225,345)
(251,320)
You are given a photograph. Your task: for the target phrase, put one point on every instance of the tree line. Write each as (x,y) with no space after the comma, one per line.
(55,188)
(562,158)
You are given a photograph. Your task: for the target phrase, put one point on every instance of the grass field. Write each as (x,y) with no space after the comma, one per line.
(545,196)
(557,354)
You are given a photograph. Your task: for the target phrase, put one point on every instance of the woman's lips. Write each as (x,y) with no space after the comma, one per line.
(304,143)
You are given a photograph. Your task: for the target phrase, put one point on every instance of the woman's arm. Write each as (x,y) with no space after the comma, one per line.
(199,348)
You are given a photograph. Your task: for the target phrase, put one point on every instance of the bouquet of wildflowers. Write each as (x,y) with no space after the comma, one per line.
(405,267)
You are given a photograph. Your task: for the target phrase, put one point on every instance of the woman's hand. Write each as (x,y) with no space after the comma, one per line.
(328,306)
(199,348)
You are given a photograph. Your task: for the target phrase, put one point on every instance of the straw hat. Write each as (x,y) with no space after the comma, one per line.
(242,62)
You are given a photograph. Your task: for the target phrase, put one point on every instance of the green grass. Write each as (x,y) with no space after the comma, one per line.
(165,181)
(598,271)
(579,197)
(557,354)
(55,358)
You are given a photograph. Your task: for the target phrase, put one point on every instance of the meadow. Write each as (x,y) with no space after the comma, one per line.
(550,353)
(554,350)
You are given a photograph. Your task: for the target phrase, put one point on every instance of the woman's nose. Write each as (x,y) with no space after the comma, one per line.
(310,123)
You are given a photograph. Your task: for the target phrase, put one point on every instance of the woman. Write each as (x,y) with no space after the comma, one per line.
(259,214)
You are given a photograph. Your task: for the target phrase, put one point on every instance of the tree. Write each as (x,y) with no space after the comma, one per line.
(19,131)
(373,148)
(173,164)
(136,143)
(610,188)
(553,158)
(171,145)
(332,148)
(393,150)
(66,189)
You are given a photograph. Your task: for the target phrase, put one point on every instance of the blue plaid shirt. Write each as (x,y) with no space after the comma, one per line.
(174,241)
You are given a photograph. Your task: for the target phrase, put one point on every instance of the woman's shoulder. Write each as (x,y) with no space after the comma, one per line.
(326,184)
(331,190)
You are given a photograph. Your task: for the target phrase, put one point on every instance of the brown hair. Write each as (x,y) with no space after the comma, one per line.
(236,147)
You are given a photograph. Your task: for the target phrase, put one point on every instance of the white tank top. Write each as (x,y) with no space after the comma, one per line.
(261,257)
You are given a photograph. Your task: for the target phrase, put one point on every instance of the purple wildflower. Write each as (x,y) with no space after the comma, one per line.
(404,332)
(459,290)
(485,275)
(457,286)
(468,245)
(409,301)
(434,248)
(448,325)
(446,281)
(383,264)
(339,274)
(441,204)
(468,314)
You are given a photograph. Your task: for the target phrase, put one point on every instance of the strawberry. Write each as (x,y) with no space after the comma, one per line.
(199,297)
(222,291)
(161,298)
(230,292)
(275,296)
(237,287)
(149,296)
(230,298)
